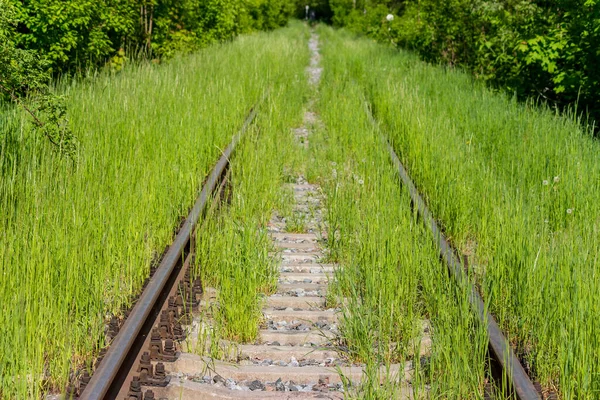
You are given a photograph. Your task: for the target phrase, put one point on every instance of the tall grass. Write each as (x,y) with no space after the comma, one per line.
(516,187)
(233,247)
(77,240)
(390,274)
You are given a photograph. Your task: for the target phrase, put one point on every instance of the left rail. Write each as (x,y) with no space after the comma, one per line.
(107,380)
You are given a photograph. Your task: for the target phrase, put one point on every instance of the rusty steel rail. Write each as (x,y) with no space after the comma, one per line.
(498,344)
(101,384)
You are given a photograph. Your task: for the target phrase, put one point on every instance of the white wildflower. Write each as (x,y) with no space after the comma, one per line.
(361,182)
(556,179)
(390,17)
(545,182)
(569,210)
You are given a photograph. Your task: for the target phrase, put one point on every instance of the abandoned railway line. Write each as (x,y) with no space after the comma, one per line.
(153,353)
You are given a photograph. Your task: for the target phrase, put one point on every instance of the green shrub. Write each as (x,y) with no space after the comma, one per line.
(546,50)
(80,33)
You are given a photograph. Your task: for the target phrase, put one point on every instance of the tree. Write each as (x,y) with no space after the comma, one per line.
(24,79)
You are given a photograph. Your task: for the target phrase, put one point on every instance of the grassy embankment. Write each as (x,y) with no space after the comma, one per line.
(517,189)
(78,240)
(391,276)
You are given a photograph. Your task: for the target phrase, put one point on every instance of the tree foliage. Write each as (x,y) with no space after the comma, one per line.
(80,33)
(24,81)
(544,48)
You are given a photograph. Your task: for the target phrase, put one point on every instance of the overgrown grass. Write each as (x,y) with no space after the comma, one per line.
(390,274)
(78,239)
(516,187)
(233,248)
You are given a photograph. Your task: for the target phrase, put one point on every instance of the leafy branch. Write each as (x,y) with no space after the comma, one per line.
(24,80)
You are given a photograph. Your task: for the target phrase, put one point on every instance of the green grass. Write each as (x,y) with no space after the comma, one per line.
(296,222)
(78,240)
(516,188)
(233,248)
(390,274)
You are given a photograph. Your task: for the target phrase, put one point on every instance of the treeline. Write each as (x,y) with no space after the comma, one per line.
(547,49)
(80,33)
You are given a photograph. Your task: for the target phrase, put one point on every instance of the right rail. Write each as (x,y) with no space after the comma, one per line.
(498,344)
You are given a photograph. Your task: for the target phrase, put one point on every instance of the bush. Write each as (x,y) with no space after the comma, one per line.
(76,34)
(543,49)
(24,81)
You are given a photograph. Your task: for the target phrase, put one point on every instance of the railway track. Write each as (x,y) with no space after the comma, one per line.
(506,362)
(296,355)
(506,365)
(148,337)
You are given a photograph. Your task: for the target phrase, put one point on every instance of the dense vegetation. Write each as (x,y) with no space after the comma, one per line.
(515,187)
(78,33)
(234,243)
(517,190)
(40,39)
(545,49)
(391,276)
(78,239)
(24,80)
